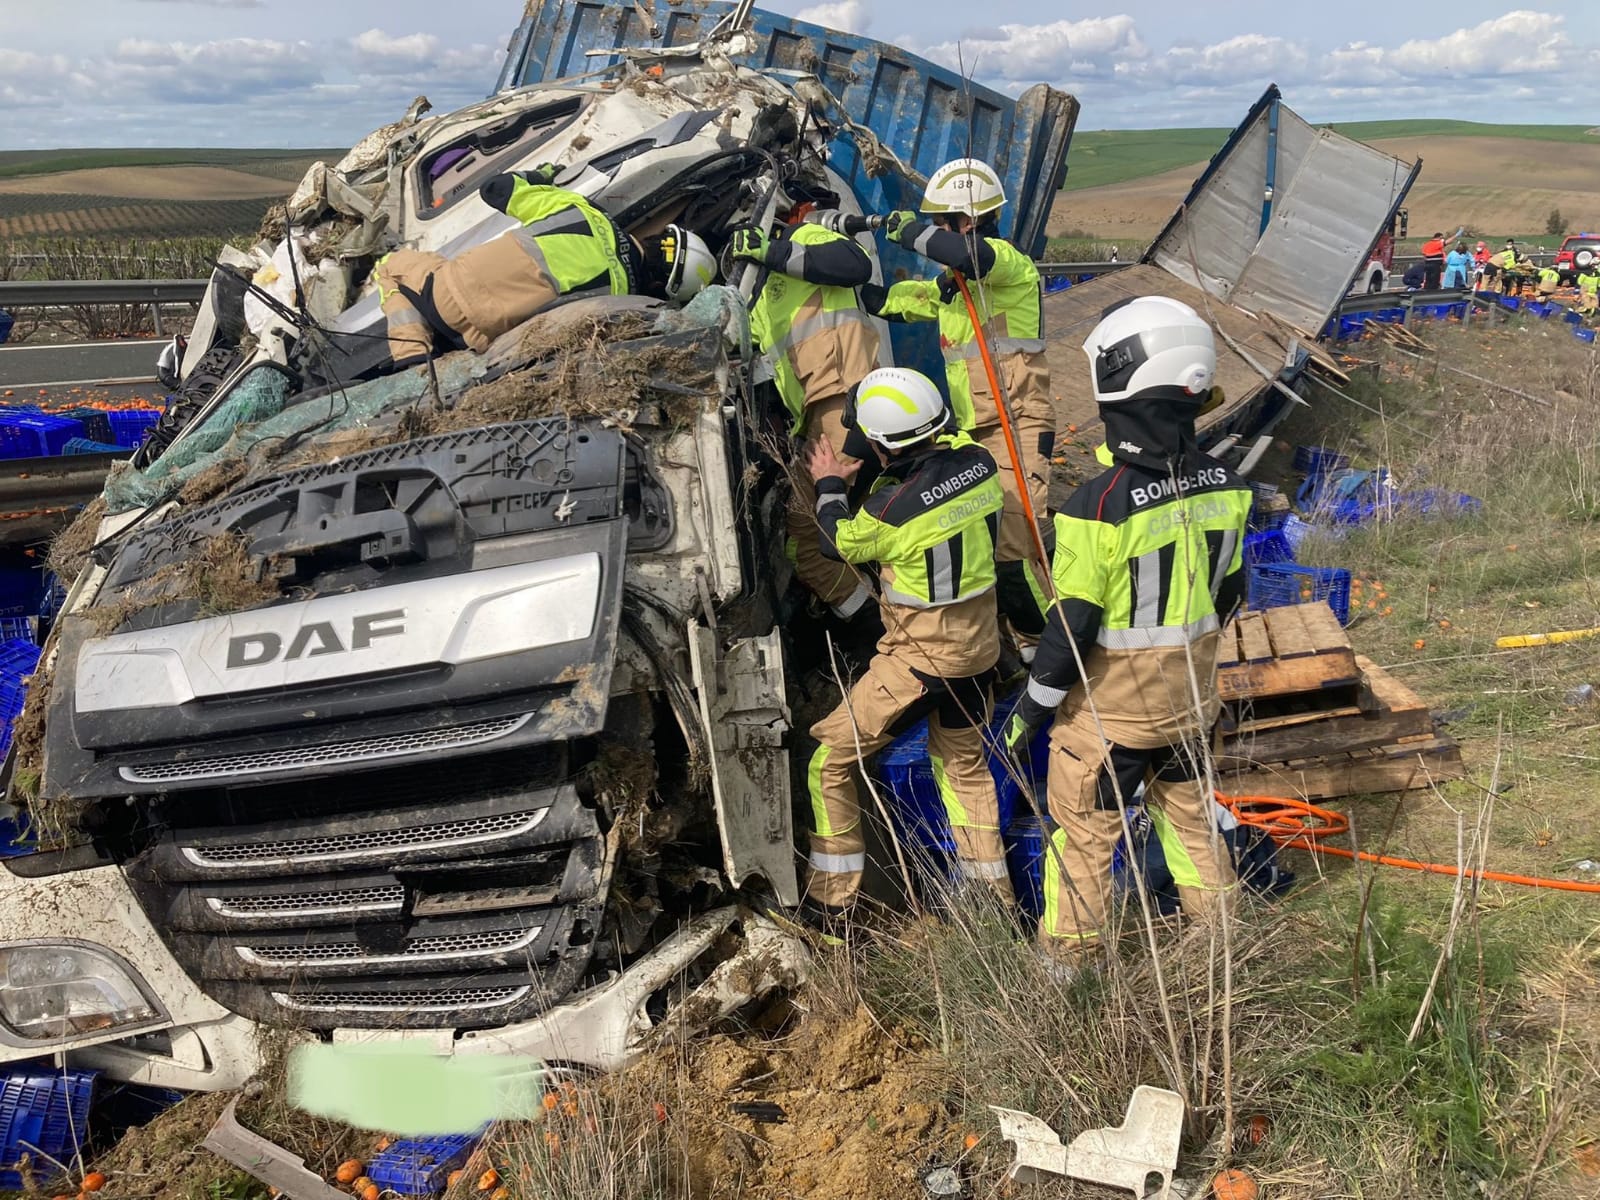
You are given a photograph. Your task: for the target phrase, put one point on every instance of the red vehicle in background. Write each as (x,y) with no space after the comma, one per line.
(1579,252)
(1380,265)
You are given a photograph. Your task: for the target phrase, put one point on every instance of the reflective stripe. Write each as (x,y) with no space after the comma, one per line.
(1230,543)
(851,606)
(982,870)
(529,243)
(831,498)
(954,810)
(819,810)
(924,240)
(1027,654)
(1160,635)
(838,864)
(1040,693)
(1184,873)
(796,265)
(895,596)
(1147,568)
(1004,345)
(811,326)
(942,580)
(1053,863)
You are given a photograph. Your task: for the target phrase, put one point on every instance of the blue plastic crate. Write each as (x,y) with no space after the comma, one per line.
(20,589)
(1273,585)
(130,426)
(90,446)
(45,1111)
(420,1166)
(35,435)
(1511,302)
(1572,318)
(15,840)
(1025,840)
(96,423)
(18,657)
(1432,502)
(1269,546)
(1318,460)
(17,629)
(1583,335)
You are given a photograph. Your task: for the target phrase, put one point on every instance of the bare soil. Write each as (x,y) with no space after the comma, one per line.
(150,183)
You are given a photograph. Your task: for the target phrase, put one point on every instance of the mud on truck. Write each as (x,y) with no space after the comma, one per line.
(450,703)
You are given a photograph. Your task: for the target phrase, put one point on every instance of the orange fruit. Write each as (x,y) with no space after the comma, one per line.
(552,1142)
(1260,1126)
(455,1178)
(370,1192)
(661,1113)
(1234,1184)
(1418,644)
(501,1193)
(569,1109)
(1444,623)
(349,1171)
(550,1101)
(93,1182)
(970,1142)
(360,1184)
(490,1179)
(1388,610)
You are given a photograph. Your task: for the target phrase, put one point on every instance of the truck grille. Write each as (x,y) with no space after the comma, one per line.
(296,758)
(467,911)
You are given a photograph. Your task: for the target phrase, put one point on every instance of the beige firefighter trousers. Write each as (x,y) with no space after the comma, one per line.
(836,584)
(1083,804)
(884,702)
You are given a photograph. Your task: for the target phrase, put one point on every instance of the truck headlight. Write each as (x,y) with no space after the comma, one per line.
(55,990)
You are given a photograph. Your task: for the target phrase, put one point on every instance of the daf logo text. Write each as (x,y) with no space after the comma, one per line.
(314,640)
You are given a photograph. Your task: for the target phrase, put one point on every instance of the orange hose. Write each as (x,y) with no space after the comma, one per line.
(1296,825)
(1001,407)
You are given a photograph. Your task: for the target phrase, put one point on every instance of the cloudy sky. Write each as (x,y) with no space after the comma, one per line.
(324,72)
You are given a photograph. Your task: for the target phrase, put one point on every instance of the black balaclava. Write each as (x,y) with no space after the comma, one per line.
(1154,429)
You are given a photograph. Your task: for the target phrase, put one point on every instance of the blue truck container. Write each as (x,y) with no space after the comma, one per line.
(926,113)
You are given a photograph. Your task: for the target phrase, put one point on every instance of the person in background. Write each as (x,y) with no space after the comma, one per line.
(1457,267)
(1510,280)
(1433,262)
(1415,278)
(1549,281)
(1589,289)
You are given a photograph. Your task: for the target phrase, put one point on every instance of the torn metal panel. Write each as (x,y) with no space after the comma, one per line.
(746,717)
(267,1161)
(1282,215)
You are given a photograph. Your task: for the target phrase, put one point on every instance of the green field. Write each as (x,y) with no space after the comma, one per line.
(1100,157)
(16,163)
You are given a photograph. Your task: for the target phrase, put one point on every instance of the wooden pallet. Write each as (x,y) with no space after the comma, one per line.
(1312,725)
(1284,652)
(1416,762)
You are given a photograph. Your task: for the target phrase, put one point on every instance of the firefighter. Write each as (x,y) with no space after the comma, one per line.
(1589,288)
(565,247)
(816,345)
(962,203)
(1147,566)
(1549,282)
(929,525)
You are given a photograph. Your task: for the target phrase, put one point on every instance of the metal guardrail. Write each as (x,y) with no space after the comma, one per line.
(1082,268)
(34,293)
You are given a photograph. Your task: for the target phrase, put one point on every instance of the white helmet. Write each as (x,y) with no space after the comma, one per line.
(1150,342)
(690,263)
(964,185)
(897,407)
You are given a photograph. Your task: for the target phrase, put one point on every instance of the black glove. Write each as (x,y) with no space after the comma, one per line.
(897,223)
(750,242)
(1024,724)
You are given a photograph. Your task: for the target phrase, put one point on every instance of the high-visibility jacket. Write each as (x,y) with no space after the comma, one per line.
(1146,566)
(930,525)
(564,247)
(816,343)
(1004,283)
(1589,283)
(1506,260)
(1549,277)
(1434,248)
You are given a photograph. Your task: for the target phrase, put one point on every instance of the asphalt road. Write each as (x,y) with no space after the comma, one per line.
(36,366)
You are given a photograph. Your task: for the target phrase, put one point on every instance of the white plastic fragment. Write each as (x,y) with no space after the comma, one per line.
(1145,1144)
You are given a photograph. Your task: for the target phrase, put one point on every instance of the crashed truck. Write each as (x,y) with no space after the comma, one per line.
(450,704)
